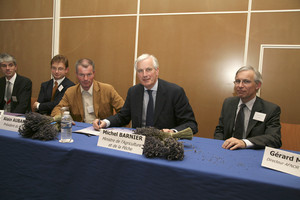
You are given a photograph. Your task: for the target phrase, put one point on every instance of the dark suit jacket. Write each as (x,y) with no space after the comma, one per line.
(22,92)
(172,108)
(46,105)
(266,133)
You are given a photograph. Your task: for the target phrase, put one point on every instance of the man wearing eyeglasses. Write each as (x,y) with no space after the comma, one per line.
(15,90)
(52,91)
(153,103)
(246,120)
(89,99)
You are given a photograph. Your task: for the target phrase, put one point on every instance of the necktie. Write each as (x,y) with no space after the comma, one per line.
(239,123)
(53,90)
(8,92)
(150,110)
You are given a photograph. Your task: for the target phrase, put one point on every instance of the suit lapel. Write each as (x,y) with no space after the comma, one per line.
(96,98)
(161,97)
(63,83)
(49,89)
(16,85)
(257,107)
(138,103)
(79,101)
(232,114)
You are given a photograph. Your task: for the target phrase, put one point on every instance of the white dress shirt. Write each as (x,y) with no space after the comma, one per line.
(88,106)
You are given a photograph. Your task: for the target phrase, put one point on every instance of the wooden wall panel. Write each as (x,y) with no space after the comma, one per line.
(275,4)
(97,7)
(174,6)
(25,9)
(281,72)
(30,43)
(272,28)
(109,42)
(193,52)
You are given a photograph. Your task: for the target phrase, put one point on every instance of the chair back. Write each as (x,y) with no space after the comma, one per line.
(290,136)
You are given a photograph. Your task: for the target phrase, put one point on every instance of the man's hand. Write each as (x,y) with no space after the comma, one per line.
(34,106)
(233,143)
(98,125)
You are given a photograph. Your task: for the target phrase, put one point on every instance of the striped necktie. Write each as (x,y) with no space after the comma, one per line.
(54,90)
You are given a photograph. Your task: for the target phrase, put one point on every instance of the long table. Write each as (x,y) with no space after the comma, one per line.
(33,169)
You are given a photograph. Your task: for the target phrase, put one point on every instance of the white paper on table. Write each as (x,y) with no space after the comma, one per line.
(90,130)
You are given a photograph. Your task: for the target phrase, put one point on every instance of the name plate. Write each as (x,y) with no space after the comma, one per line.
(11,123)
(121,140)
(281,160)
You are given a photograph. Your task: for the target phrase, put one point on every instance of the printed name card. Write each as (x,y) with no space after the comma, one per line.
(11,123)
(281,160)
(121,140)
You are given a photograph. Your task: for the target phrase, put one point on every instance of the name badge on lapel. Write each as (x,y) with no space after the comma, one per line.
(259,116)
(14,98)
(60,88)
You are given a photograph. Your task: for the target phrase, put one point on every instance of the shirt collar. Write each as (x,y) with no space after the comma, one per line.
(154,88)
(59,80)
(249,104)
(13,79)
(90,91)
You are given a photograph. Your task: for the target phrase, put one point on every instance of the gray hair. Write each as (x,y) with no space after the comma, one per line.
(4,57)
(84,62)
(144,57)
(257,74)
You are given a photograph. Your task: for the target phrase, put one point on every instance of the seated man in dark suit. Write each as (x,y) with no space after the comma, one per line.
(154,102)
(258,123)
(15,95)
(52,91)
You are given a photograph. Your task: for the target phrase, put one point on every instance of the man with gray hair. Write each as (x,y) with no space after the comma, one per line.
(246,120)
(89,99)
(153,103)
(15,95)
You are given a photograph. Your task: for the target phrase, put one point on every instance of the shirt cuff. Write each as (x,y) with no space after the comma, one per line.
(107,123)
(37,106)
(248,143)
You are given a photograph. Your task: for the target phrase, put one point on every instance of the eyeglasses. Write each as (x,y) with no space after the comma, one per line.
(7,65)
(244,82)
(148,69)
(59,69)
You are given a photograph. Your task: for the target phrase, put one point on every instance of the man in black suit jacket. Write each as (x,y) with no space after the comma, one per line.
(172,111)
(261,121)
(51,94)
(20,87)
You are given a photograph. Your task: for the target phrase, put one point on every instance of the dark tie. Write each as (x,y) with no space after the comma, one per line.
(8,96)
(150,110)
(53,90)
(239,123)
(8,92)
